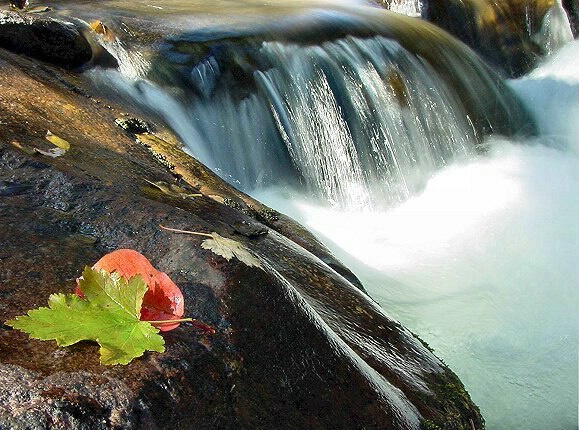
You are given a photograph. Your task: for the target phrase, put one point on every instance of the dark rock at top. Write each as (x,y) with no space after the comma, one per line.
(501,32)
(572,10)
(44,38)
(19,4)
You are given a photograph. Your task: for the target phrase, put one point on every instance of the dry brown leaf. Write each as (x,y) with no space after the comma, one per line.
(229,248)
(53,152)
(222,246)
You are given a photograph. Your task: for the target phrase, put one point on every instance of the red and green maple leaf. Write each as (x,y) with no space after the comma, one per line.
(122,303)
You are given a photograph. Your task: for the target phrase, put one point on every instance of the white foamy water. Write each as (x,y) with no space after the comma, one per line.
(406,7)
(483,264)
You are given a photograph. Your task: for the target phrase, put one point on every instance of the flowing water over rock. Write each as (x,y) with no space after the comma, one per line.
(483,262)
(310,118)
(288,107)
(513,35)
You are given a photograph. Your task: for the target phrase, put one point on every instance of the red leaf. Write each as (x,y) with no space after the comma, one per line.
(127,263)
(163,300)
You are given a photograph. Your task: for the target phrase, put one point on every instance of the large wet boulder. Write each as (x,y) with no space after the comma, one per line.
(297,345)
(510,34)
(47,39)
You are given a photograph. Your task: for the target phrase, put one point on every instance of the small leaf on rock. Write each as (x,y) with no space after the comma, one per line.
(53,152)
(221,246)
(27,150)
(172,189)
(38,9)
(229,248)
(57,140)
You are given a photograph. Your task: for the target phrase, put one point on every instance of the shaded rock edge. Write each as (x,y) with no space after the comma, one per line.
(503,33)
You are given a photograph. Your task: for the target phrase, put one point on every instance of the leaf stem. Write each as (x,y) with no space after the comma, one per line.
(208,329)
(185,231)
(161,322)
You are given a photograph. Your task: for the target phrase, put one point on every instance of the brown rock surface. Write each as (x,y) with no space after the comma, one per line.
(501,31)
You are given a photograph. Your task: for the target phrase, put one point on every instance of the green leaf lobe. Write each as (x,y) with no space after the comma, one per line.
(109,315)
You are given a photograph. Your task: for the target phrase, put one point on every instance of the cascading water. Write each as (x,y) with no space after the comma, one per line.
(359,122)
(311,118)
(556,30)
(375,149)
(483,263)
(383,137)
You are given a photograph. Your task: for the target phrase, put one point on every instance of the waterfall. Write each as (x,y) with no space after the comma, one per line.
(356,143)
(483,262)
(359,122)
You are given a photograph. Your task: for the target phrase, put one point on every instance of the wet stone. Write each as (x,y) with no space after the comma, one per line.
(8,188)
(44,38)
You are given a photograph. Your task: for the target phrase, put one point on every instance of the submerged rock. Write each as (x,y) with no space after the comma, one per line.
(297,345)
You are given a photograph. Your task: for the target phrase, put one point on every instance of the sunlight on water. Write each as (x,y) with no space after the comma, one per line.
(555,31)
(483,264)
(402,124)
(406,7)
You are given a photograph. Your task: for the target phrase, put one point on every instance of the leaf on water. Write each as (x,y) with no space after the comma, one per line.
(100,28)
(57,140)
(109,315)
(229,248)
